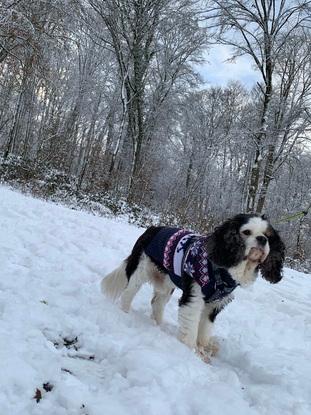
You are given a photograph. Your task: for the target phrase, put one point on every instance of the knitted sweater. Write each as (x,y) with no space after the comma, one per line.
(180,252)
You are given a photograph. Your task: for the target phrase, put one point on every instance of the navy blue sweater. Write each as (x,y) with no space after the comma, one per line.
(180,252)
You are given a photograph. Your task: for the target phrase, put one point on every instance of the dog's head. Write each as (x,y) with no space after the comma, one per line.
(252,237)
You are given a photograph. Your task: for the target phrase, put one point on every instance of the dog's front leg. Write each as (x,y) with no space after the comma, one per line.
(191,305)
(205,342)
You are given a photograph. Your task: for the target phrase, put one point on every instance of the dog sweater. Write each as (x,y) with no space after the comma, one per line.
(179,252)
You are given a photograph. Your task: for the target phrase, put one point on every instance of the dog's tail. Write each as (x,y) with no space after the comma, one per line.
(115,282)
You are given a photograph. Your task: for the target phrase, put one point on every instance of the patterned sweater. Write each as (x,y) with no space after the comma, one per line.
(179,252)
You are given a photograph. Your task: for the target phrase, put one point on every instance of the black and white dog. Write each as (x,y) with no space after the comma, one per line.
(206,268)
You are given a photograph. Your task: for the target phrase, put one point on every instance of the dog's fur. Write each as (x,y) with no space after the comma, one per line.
(242,245)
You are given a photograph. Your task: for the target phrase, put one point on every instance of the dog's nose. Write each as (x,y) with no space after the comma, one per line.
(262,240)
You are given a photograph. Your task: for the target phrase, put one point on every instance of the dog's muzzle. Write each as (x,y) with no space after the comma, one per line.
(257,254)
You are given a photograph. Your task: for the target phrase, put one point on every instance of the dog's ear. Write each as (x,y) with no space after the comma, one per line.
(271,268)
(225,246)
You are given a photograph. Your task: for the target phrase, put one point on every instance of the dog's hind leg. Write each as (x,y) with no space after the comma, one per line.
(158,303)
(130,291)
(136,280)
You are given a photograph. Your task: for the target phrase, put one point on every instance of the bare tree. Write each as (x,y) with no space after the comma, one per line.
(260,29)
(289,119)
(136,38)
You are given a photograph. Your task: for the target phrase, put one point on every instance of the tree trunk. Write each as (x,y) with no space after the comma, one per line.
(267,177)
(260,141)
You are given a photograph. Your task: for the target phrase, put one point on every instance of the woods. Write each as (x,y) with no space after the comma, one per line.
(107,94)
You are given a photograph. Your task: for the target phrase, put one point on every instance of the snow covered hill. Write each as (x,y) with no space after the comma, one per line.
(57,330)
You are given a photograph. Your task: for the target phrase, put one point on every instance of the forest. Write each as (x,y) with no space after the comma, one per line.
(103,98)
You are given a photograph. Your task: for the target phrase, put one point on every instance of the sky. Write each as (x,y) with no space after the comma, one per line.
(218,71)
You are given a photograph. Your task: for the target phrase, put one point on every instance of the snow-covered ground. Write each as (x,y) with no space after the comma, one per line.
(57,328)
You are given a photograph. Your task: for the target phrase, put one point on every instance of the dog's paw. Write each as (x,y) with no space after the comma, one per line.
(211,347)
(203,354)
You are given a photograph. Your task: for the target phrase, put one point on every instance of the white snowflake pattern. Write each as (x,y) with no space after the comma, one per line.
(194,250)
(188,268)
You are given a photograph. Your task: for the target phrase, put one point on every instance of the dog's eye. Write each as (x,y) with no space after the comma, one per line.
(247,232)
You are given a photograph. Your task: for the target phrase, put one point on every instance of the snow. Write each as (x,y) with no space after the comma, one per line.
(52,260)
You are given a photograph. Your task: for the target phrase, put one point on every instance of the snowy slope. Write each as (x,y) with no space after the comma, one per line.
(52,260)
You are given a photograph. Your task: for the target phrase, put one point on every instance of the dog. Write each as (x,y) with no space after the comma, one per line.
(206,268)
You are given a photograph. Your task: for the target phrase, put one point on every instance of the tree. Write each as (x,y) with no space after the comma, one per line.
(260,29)
(144,34)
